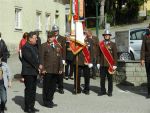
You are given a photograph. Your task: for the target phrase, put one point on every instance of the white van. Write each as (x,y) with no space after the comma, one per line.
(129,43)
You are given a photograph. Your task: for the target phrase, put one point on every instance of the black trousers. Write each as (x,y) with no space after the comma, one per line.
(94,68)
(30,90)
(103,74)
(49,87)
(69,73)
(86,73)
(147,67)
(60,82)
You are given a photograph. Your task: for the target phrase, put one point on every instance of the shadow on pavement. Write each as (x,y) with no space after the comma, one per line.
(39,99)
(140,90)
(68,87)
(95,89)
(19,100)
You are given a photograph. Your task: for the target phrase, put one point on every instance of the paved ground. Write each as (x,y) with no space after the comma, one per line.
(125,99)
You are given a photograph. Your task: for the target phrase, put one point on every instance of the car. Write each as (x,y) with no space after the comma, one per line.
(129,43)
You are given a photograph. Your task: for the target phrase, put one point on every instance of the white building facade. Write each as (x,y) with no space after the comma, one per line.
(19,16)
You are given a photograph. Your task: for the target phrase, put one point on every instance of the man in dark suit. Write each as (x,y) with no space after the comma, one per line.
(104,64)
(62,42)
(51,59)
(30,70)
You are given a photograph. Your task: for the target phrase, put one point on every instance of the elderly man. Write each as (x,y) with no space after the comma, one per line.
(51,59)
(62,43)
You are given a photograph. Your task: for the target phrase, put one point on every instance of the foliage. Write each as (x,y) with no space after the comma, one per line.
(123,11)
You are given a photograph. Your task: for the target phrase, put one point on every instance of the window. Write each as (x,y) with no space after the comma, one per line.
(132,36)
(38,21)
(17,18)
(47,22)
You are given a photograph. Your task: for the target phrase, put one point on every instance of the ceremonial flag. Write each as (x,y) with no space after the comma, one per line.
(75,10)
(77,42)
(81,8)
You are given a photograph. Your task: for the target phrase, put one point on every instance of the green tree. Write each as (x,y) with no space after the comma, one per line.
(123,11)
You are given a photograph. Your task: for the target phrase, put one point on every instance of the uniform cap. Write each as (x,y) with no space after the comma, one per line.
(107,32)
(55,28)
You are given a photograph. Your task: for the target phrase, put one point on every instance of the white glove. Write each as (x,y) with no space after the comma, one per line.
(98,66)
(20,53)
(63,61)
(114,67)
(90,65)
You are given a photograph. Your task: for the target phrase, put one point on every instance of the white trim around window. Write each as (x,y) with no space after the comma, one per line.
(18,18)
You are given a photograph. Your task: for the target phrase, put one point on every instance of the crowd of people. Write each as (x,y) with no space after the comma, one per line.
(54,61)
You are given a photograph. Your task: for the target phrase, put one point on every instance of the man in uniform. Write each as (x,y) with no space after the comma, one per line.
(107,60)
(145,58)
(95,39)
(85,67)
(52,67)
(62,42)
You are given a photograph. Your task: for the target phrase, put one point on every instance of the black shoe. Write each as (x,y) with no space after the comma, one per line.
(35,110)
(101,93)
(54,105)
(2,111)
(29,111)
(109,94)
(51,105)
(86,92)
(61,91)
(66,78)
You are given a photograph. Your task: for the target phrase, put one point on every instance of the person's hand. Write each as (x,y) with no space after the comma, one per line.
(63,61)
(22,80)
(44,72)
(114,67)
(142,62)
(9,84)
(98,66)
(90,65)
(60,72)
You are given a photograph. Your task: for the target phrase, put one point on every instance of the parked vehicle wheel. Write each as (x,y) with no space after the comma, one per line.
(132,56)
(125,56)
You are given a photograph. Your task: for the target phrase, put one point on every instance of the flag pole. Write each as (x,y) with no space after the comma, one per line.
(76,87)
(77,59)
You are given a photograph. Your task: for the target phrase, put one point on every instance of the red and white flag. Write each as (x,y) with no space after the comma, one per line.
(77,42)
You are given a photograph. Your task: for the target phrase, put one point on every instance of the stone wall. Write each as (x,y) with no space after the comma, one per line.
(132,72)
